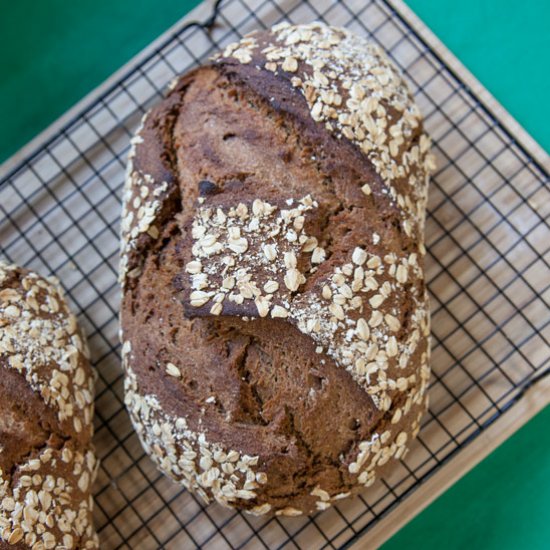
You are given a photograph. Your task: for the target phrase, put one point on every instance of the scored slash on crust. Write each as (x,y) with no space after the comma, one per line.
(356,92)
(365,352)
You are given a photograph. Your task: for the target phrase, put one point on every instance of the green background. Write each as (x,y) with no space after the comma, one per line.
(53,52)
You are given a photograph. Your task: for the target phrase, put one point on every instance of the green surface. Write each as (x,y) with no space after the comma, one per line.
(502,503)
(54,52)
(506,45)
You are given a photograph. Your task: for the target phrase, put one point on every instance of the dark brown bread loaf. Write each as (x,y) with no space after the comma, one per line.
(47,464)
(274,319)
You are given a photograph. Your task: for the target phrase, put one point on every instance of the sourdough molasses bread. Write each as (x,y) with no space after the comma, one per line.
(47,464)
(274,317)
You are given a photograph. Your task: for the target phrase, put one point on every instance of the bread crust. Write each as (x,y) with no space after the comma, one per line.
(275,320)
(47,462)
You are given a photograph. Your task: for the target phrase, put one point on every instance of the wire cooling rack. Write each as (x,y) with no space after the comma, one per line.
(487,270)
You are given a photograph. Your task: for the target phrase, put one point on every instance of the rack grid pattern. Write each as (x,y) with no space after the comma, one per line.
(488,268)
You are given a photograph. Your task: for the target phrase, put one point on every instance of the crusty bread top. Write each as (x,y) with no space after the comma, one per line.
(354,90)
(273,237)
(352,87)
(349,85)
(47,464)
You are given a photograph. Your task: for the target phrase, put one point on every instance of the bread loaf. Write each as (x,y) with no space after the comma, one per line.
(275,319)
(47,464)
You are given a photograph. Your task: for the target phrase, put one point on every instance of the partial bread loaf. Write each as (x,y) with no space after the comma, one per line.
(275,319)
(47,464)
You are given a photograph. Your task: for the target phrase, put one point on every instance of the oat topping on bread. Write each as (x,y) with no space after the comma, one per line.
(47,462)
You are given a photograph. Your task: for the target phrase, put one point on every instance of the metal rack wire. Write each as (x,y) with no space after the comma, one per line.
(488,265)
